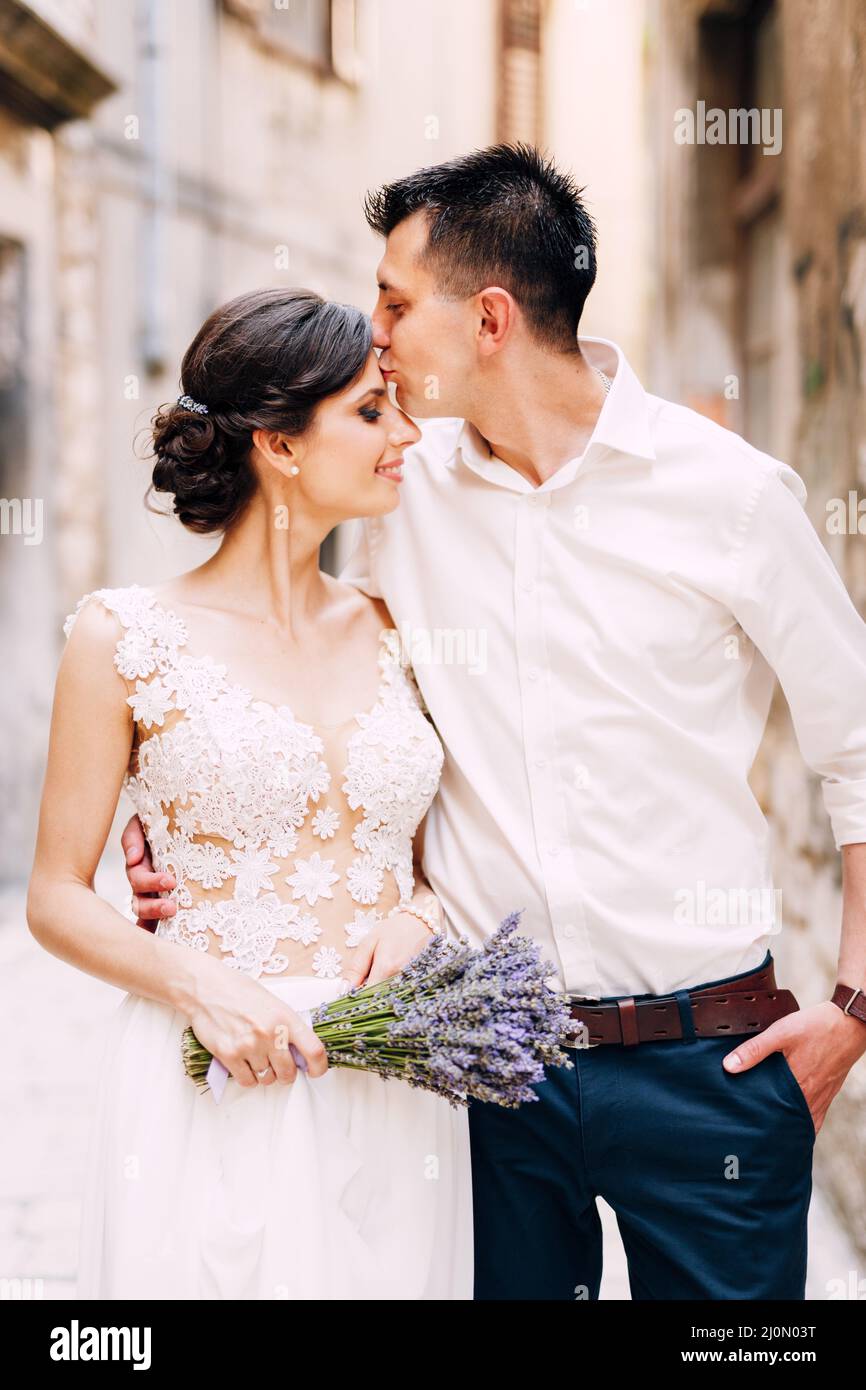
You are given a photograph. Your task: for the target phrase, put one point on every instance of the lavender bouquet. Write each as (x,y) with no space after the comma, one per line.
(465,1023)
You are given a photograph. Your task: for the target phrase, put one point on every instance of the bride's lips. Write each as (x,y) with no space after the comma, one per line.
(392,470)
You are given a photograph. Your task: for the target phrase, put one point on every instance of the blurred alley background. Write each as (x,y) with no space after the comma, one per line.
(159,156)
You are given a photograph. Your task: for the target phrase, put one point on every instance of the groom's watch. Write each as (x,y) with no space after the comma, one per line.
(851,1001)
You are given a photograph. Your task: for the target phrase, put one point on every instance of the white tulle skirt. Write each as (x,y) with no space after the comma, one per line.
(345,1186)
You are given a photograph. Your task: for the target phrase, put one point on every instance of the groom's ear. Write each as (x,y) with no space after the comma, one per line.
(497,312)
(275,449)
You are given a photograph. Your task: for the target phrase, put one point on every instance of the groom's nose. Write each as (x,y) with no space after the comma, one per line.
(380,334)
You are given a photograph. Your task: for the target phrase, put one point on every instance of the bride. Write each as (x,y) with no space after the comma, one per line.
(265,723)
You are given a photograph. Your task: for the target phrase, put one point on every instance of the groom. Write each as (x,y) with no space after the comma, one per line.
(597,589)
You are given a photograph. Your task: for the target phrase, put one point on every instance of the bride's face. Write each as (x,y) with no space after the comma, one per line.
(350,461)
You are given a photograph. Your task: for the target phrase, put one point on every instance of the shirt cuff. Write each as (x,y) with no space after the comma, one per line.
(846,807)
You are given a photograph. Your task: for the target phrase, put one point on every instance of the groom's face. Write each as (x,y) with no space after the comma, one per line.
(426,340)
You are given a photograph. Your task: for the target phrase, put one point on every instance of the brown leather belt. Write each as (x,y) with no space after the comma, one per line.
(746,1005)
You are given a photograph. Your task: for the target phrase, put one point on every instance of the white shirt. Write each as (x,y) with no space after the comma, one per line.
(598,656)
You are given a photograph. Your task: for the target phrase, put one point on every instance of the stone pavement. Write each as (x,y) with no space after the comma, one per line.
(52,1018)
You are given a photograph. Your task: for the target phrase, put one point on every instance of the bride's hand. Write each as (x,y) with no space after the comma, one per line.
(247,1027)
(386,949)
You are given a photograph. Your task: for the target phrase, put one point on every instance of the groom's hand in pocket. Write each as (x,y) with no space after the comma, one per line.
(146,885)
(820,1045)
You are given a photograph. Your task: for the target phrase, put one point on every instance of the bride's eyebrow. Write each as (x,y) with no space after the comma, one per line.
(371,391)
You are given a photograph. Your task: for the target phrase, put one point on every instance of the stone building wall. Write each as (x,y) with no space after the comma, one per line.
(805,291)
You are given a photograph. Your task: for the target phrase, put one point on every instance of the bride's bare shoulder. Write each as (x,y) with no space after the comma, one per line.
(93,625)
(88,670)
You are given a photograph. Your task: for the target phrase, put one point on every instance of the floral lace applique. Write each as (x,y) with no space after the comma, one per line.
(312,878)
(360,926)
(224,784)
(389,739)
(327,963)
(326,823)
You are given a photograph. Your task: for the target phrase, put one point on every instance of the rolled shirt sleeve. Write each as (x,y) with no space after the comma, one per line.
(792,603)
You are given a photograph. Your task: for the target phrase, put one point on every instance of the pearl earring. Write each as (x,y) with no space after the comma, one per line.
(294,470)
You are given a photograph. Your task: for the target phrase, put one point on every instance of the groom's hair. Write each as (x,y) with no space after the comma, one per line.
(501,216)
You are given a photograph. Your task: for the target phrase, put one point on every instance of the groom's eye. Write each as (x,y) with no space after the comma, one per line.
(393,306)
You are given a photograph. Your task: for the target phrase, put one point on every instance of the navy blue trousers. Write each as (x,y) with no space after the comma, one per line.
(709,1174)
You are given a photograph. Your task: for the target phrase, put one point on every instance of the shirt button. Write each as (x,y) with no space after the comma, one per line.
(541,762)
(533,673)
(569,931)
(553,849)
(527,588)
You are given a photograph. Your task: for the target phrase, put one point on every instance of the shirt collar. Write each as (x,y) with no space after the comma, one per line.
(623,425)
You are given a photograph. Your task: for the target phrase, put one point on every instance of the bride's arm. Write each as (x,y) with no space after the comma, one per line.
(234,1017)
(89,747)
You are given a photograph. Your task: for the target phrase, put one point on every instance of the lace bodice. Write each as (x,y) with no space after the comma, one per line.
(281,866)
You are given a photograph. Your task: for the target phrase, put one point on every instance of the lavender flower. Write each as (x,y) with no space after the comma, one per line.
(464,1023)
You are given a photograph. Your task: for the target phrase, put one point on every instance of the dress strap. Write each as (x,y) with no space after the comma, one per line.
(152,635)
(395,662)
(392,657)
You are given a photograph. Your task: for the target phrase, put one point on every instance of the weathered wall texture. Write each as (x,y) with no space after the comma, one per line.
(725,277)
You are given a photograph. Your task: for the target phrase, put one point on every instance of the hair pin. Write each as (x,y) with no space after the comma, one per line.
(189,404)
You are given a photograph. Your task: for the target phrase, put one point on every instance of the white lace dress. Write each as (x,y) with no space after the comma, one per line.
(288,842)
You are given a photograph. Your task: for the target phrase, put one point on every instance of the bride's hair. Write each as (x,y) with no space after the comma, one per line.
(264,360)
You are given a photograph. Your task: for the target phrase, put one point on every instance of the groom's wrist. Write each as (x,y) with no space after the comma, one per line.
(851,999)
